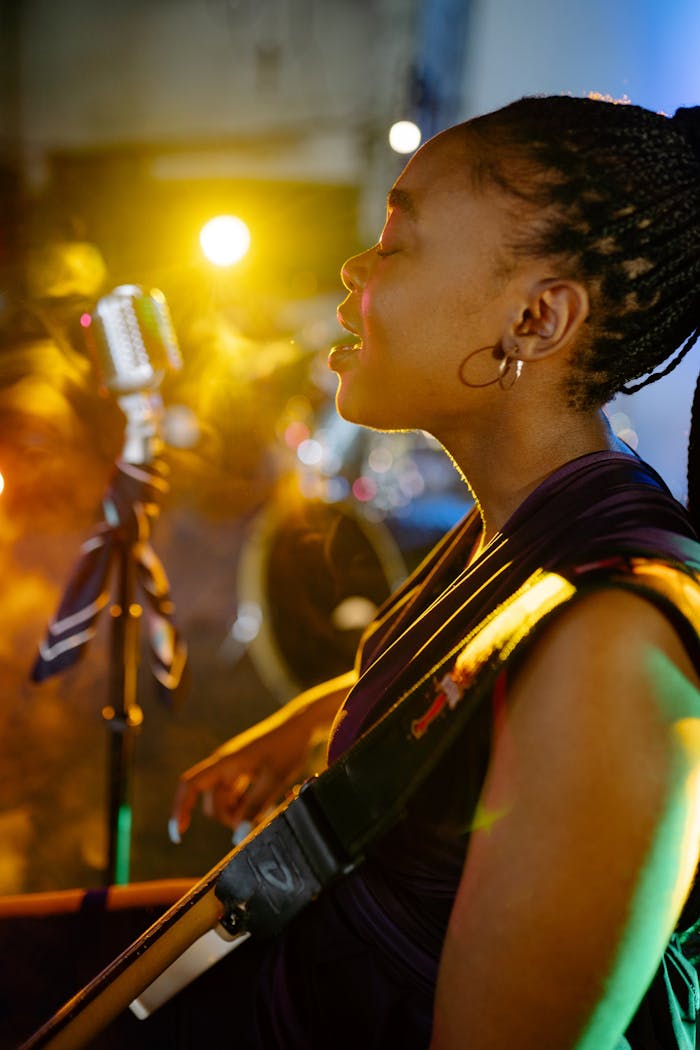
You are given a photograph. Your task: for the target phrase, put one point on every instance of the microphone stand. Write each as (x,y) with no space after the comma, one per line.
(131,338)
(123,717)
(122,714)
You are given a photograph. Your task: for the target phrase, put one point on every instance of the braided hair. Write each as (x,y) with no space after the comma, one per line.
(612,191)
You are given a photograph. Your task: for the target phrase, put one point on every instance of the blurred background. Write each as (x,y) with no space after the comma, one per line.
(125,128)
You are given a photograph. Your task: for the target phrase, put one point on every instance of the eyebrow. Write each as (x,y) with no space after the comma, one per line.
(403,201)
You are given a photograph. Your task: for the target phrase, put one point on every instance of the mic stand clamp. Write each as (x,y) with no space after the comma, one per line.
(142,437)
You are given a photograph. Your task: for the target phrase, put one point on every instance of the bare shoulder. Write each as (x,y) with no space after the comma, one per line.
(607,702)
(619,654)
(587,834)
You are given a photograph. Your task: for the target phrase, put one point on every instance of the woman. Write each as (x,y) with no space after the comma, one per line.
(534,261)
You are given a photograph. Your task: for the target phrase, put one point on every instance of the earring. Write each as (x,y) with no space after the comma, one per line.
(509,368)
(509,371)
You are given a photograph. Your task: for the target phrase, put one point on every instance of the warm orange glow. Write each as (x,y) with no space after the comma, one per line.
(2,484)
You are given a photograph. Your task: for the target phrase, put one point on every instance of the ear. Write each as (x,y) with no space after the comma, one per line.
(551,318)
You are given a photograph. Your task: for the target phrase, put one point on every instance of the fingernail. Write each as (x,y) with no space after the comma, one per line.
(242,831)
(174,831)
(207,804)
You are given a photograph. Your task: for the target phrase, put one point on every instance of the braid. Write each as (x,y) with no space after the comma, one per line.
(614,192)
(694,461)
(632,388)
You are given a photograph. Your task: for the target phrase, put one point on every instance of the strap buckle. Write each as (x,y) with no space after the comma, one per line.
(281,868)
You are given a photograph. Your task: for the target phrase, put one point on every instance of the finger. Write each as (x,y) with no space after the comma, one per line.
(208,804)
(261,794)
(223,801)
(199,779)
(183,801)
(242,831)
(224,796)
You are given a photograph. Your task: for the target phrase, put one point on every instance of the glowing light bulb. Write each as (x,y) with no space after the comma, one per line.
(404,136)
(224,239)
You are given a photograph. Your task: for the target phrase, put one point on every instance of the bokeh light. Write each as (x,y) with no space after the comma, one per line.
(364,489)
(404,136)
(224,240)
(310,452)
(624,427)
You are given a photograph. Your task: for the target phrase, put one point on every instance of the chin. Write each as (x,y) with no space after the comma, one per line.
(373,417)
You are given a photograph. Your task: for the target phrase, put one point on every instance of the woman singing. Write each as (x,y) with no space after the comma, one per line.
(534,262)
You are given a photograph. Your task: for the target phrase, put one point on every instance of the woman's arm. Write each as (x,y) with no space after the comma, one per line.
(572,888)
(244,777)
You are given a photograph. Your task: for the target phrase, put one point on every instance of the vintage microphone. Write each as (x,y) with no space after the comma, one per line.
(134,344)
(132,341)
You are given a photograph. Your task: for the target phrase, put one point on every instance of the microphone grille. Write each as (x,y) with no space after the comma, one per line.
(135,339)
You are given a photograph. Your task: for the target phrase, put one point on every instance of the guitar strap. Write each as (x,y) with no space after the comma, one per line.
(323,831)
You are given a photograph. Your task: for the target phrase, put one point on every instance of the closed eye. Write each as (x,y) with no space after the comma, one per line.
(383,253)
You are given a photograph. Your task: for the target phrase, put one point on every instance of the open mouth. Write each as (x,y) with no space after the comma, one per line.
(341,355)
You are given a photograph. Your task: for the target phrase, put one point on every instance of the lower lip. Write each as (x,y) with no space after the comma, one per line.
(340,356)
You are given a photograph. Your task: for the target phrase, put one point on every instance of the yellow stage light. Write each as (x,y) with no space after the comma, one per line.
(2,484)
(224,239)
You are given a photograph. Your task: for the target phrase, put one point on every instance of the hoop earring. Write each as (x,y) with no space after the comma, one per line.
(509,368)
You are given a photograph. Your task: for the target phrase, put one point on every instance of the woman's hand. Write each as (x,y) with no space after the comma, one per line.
(244,778)
(247,776)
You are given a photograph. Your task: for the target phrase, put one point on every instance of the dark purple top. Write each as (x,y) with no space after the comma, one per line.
(358,967)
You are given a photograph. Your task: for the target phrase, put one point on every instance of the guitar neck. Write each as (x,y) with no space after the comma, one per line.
(111,992)
(137,968)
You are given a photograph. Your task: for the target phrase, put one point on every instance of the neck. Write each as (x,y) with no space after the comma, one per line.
(506,463)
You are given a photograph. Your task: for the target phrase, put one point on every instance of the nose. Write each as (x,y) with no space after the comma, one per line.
(354,272)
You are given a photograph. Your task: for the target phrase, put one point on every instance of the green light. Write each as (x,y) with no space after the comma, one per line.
(123,846)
